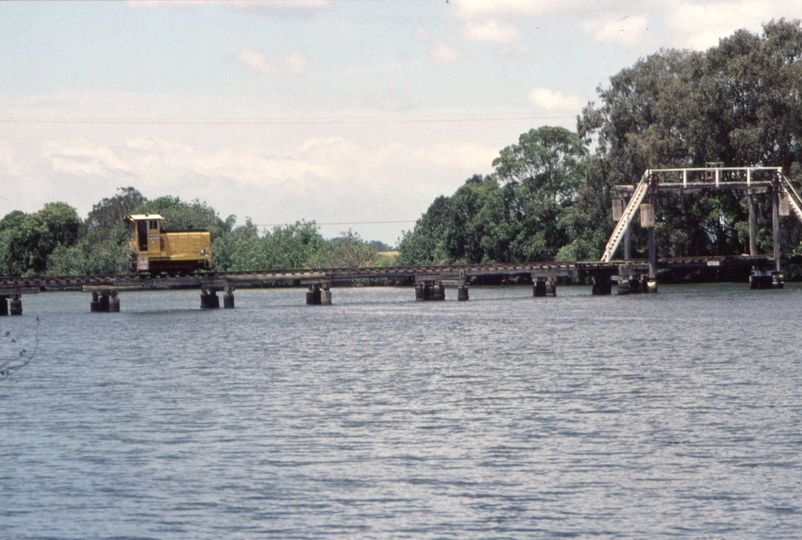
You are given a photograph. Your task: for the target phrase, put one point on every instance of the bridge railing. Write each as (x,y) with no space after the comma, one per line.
(716,176)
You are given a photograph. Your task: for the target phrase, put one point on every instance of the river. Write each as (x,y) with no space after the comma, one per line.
(669,415)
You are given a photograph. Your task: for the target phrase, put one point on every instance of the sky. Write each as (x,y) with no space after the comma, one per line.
(356,114)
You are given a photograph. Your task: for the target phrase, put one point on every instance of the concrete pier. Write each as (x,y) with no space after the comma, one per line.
(635,284)
(3,305)
(104,301)
(313,296)
(761,279)
(97,304)
(430,291)
(209,299)
(325,294)
(228,298)
(462,293)
(544,286)
(16,305)
(114,302)
(602,285)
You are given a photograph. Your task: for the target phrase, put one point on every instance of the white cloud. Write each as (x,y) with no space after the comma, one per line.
(695,24)
(286,8)
(8,160)
(700,26)
(389,101)
(491,31)
(469,9)
(627,31)
(552,100)
(291,64)
(84,158)
(444,54)
(423,34)
(468,156)
(163,163)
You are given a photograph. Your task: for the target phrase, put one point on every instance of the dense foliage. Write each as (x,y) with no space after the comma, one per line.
(737,104)
(549,196)
(55,241)
(525,211)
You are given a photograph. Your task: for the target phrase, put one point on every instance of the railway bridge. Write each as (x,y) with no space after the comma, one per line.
(628,274)
(430,282)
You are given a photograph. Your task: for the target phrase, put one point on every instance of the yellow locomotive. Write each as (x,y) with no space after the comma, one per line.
(156,250)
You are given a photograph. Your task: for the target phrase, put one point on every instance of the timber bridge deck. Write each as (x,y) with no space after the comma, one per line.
(631,275)
(429,281)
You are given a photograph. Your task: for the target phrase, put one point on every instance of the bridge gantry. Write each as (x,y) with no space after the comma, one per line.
(632,275)
(748,180)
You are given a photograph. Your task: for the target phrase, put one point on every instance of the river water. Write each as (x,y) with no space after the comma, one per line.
(669,415)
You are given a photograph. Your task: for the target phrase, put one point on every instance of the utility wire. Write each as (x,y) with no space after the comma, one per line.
(277,121)
(337,223)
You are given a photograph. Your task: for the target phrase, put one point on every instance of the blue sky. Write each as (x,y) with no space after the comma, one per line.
(348,112)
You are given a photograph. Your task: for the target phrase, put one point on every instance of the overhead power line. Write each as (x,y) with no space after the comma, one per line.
(337,223)
(281,121)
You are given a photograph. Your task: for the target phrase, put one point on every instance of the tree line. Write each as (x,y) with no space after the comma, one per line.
(550,195)
(56,241)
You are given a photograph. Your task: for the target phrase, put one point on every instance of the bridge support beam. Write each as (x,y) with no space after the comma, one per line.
(652,243)
(104,301)
(114,301)
(228,297)
(99,302)
(325,294)
(750,197)
(462,293)
(209,299)
(775,223)
(602,285)
(3,306)
(544,286)
(319,294)
(16,304)
(627,237)
(765,278)
(313,295)
(760,279)
(426,291)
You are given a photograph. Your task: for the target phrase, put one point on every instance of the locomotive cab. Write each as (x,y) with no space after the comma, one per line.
(155,249)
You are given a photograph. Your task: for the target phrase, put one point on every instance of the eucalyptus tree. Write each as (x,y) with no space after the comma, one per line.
(422,245)
(736,104)
(542,174)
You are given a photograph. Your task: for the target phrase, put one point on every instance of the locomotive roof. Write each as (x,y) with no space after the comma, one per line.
(139,217)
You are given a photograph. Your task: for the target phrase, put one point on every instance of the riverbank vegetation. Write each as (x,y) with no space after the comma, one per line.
(549,195)
(55,241)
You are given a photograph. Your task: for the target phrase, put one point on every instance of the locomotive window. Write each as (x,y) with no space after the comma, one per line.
(153,224)
(142,233)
